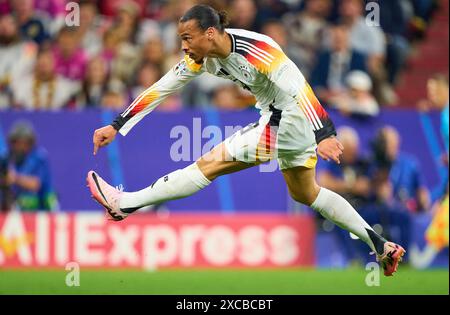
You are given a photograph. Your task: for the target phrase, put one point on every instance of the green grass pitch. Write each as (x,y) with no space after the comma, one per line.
(224,282)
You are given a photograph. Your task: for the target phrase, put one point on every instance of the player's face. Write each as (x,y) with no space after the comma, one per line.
(194,41)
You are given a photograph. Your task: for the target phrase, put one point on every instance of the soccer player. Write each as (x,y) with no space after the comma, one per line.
(292,127)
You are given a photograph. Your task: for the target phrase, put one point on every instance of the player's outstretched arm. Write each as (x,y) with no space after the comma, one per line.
(145,103)
(171,82)
(103,136)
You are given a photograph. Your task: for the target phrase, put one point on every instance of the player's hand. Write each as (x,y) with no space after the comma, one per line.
(330,149)
(103,136)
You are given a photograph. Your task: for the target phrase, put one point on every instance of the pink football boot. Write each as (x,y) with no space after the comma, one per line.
(106,195)
(391,257)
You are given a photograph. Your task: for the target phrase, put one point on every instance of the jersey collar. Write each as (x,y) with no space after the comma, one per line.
(233,42)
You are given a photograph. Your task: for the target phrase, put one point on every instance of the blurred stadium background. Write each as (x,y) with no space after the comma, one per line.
(386,88)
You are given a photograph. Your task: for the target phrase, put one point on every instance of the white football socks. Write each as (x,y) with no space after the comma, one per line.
(187,181)
(178,184)
(338,210)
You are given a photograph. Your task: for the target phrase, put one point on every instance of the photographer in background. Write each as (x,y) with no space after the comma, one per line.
(27,172)
(401,170)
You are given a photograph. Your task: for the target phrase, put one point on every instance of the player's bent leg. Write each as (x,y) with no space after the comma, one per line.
(218,162)
(301,184)
(178,184)
(304,189)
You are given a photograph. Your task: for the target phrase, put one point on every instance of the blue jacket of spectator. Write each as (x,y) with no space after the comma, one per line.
(406,177)
(319,76)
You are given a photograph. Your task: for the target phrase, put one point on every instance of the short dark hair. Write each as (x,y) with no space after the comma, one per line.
(206,17)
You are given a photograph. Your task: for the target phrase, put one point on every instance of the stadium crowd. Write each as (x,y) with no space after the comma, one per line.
(120,47)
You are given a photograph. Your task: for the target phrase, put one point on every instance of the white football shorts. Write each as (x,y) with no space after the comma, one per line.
(282,134)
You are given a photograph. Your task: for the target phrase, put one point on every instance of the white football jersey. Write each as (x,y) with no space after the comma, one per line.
(256,63)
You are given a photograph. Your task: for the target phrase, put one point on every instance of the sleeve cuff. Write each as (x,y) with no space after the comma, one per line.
(324,133)
(119,122)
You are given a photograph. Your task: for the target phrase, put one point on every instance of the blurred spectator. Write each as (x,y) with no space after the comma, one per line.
(44,89)
(269,9)
(70,58)
(394,22)
(153,52)
(438,94)
(371,41)
(438,97)
(276,30)
(28,172)
(115,97)
(388,215)
(148,74)
(400,169)
(31,26)
(333,65)
(243,15)
(53,14)
(91,28)
(350,178)
(94,84)
(373,197)
(171,12)
(17,58)
(363,37)
(121,56)
(357,100)
(111,43)
(111,7)
(305,31)
(54,8)
(437,235)
(127,20)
